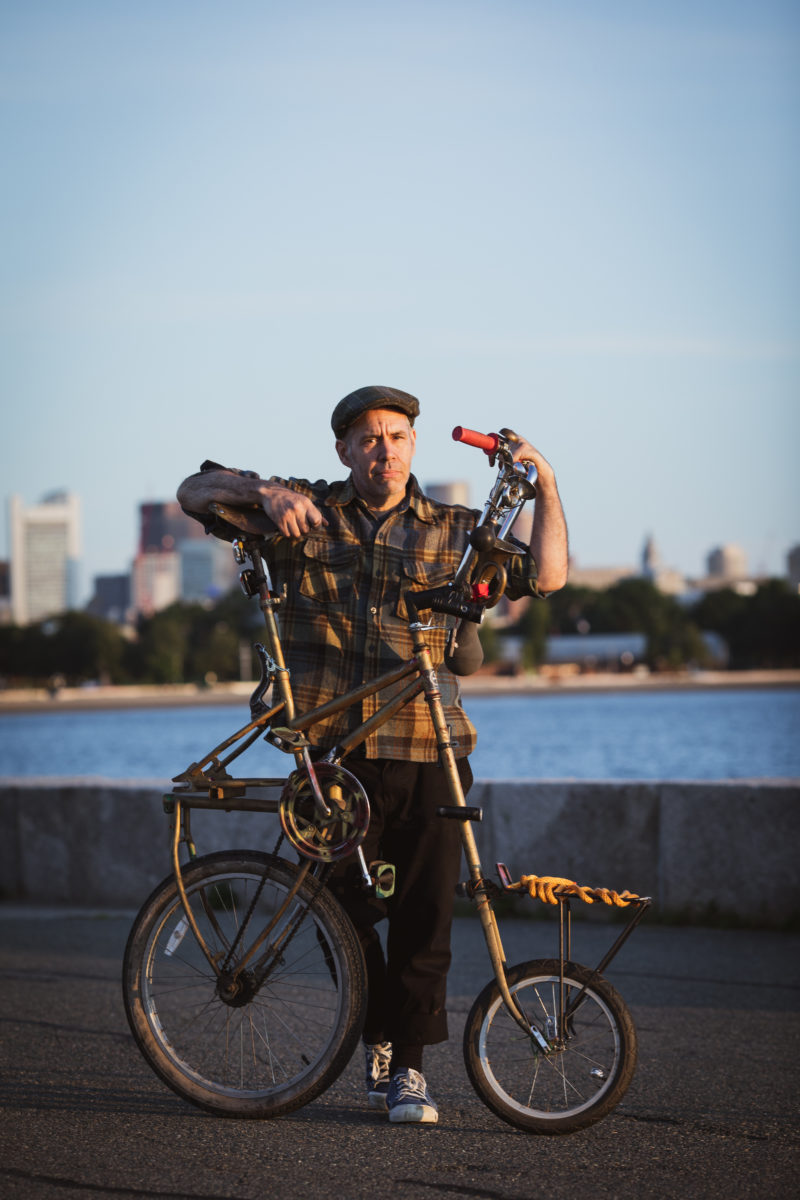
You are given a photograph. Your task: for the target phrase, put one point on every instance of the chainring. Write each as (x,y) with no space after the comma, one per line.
(324,839)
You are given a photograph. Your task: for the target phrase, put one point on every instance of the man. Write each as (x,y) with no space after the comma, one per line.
(347,552)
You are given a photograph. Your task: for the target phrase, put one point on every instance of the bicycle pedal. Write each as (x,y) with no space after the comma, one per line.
(287,739)
(383,876)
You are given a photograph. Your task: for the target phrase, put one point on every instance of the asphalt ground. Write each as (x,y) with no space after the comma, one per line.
(712,1110)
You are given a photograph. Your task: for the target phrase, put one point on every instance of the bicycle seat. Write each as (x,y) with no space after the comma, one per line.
(232,522)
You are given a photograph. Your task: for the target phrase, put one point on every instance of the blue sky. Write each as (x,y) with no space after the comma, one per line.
(575,219)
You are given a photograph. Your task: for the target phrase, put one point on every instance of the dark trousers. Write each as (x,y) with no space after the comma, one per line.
(407,986)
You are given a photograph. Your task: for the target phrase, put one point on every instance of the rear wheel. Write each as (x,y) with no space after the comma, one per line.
(262,1038)
(580,1079)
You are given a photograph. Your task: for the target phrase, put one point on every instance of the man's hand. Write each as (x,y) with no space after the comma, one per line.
(549,533)
(293,513)
(523,451)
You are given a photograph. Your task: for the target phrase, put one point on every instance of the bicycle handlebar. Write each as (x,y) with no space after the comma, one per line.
(488,442)
(445,600)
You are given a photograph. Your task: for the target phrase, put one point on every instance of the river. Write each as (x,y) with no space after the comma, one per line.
(740,733)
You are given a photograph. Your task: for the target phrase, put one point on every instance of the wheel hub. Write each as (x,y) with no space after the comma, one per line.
(236,990)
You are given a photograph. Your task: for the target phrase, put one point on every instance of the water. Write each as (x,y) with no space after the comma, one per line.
(720,734)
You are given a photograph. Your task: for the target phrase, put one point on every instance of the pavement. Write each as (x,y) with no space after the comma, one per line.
(711,1112)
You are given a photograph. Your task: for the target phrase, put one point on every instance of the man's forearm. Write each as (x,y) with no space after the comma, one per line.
(294,513)
(549,545)
(549,534)
(196,493)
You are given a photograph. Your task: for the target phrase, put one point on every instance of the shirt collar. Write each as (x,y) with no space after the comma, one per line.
(344,492)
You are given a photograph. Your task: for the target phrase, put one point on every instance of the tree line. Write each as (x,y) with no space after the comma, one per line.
(184,643)
(761,630)
(193,643)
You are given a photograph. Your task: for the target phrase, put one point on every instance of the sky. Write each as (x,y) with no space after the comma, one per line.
(578,220)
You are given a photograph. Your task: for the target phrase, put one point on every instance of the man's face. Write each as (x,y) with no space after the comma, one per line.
(378,449)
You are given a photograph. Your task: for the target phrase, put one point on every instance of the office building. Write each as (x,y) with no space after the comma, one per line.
(162,524)
(176,560)
(207,570)
(155,581)
(45,547)
(156,572)
(111,600)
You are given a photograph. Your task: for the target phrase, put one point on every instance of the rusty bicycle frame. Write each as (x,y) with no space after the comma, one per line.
(479,582)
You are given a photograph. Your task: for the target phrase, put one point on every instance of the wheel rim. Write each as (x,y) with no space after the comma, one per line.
(275,1039)
(567,1081)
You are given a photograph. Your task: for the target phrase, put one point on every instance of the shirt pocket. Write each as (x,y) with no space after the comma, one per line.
(329,572)
(417,576)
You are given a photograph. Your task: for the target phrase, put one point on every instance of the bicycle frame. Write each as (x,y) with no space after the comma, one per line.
(232,793)
(479,582)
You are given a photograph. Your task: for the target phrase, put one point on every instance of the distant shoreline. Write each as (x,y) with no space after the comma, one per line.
(172,695)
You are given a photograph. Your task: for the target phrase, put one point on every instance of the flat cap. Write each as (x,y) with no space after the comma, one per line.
(356,403)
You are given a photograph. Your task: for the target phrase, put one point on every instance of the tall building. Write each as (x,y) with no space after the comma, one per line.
(111,599)
(207,570)
(162,524)
(45,545)
(176,560)
(155,581)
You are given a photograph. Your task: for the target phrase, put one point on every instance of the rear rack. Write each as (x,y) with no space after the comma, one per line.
(551,889)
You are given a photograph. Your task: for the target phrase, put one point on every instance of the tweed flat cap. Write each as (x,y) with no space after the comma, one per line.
(353,406)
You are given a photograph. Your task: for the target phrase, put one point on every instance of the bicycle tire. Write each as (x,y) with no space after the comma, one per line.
(259,1055)
(564,1090)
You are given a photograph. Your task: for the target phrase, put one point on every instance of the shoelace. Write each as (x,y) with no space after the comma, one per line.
(379,1057)
(410,1085)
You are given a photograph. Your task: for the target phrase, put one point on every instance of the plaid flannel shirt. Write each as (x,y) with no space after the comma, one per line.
(343,620)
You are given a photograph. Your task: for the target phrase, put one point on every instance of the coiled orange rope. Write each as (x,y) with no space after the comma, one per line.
(550,888)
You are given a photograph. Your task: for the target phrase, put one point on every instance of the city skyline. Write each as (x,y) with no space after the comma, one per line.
(577,221)
(164,531)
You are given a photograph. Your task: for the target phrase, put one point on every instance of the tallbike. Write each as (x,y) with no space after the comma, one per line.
(243,979)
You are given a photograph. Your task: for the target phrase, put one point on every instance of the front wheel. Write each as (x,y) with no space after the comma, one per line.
(279,1019)
(580,1078)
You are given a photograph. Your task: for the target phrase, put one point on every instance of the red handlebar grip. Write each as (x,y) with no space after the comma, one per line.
(483,441)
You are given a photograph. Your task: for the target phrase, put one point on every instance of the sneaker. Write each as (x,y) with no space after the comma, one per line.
(378,1057)
(408,1099)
